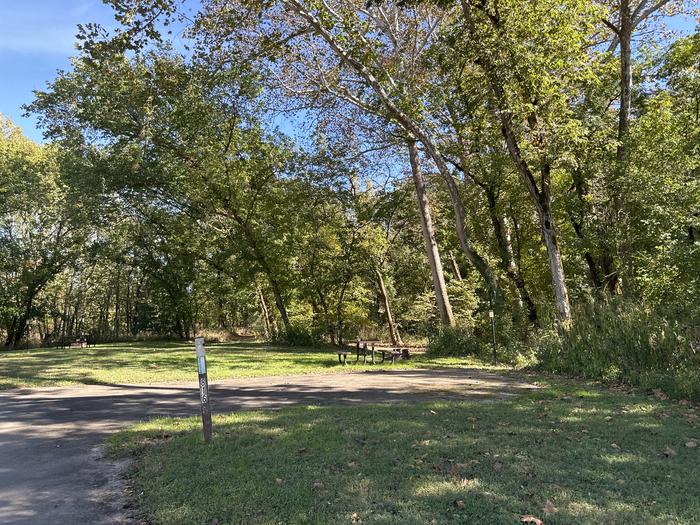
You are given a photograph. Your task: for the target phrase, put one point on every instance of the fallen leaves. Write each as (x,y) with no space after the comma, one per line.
(549,508)
(353,465)
(691,444)
(669,452)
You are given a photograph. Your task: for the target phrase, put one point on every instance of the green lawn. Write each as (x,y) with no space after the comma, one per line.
(153,362)
(563,455)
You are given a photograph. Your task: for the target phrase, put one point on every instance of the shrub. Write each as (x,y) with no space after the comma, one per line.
(457,341)
(300,335)
(626,342)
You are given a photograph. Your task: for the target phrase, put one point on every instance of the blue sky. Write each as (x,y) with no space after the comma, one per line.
(37,38)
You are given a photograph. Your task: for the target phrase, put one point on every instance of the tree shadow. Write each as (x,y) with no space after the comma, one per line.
(451,462)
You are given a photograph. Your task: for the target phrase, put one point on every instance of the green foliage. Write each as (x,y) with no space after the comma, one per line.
(169,203)
(457,341)
(298,334)
(628,342)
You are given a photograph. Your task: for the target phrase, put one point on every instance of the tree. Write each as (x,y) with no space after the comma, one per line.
(43,227)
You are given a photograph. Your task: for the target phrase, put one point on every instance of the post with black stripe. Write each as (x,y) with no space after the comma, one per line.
(203,388)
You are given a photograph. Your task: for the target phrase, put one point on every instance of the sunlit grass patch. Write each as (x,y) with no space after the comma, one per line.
(434,462)
(161,361)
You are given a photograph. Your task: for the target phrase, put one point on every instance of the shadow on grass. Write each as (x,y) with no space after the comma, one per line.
(595,460)
(167,361)
(152,362)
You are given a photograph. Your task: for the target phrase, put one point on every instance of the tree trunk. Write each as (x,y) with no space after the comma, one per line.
(279,302)
(577,222)
(394,335)
(432,251)
(262,261)
(624,31)
(623,124)
(455,267)
(19,324)
(505,249)
(117,301)
(542,200)
(265,312)
(127,317)
(541,197)
(413,128)
(330,325)
(543,204)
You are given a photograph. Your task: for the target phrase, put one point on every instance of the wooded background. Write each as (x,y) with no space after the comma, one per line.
(314,171)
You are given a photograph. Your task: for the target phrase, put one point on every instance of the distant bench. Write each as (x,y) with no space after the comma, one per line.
(80,342)
(368,348)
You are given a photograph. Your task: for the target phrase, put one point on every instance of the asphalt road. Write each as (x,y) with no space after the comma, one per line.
(51,467)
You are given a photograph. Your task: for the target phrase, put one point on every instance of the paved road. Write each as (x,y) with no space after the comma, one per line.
(51,467)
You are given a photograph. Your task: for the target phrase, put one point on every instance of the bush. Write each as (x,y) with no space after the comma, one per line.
(299,335)
(626,342)
(457,341)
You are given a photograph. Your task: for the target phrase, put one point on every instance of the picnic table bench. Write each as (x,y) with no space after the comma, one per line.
(343,354)
(80,342)
(369,348)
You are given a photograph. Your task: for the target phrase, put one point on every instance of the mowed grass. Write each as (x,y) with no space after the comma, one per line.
(561,455)
(156,362)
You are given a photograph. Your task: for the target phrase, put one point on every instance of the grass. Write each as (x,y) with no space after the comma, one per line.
(156,362)
(563,455)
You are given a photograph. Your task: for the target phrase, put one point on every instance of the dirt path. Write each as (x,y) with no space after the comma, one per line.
(51,468)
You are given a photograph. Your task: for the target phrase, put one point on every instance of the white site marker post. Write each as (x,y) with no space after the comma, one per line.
(203,387)
(493,333)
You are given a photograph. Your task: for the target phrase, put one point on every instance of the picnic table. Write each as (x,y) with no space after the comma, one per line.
(81,341)
(369,348)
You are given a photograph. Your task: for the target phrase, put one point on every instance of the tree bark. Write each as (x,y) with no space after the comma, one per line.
(265,312)
(505,249)
(607,259)
(279,302)
(117,302)
(432,250)
(625,36)
(455,267)
(394,335)
(542,200)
